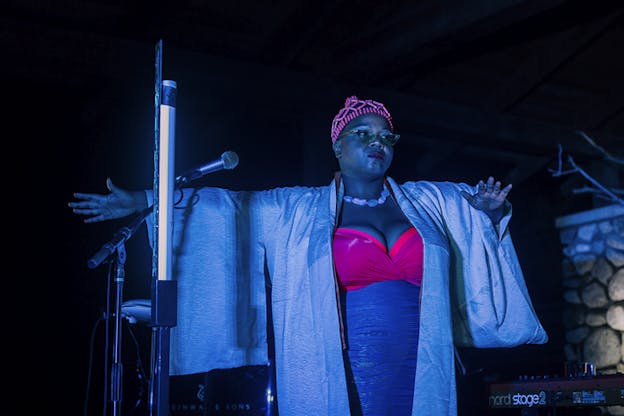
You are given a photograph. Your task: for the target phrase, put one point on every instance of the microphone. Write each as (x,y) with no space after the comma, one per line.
(228,160)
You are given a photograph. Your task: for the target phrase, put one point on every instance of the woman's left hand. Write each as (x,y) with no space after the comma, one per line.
(490,198)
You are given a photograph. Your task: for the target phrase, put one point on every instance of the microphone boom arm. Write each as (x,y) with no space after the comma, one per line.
(228,160)
(121,236)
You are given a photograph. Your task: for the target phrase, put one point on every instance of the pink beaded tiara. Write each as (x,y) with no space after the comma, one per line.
(355,107)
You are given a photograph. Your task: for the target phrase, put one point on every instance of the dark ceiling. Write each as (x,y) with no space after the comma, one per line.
(529,74)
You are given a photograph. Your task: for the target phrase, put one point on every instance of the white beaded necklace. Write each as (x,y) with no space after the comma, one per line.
(368,202)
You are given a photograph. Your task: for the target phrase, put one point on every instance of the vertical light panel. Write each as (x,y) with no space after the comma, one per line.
(166,165)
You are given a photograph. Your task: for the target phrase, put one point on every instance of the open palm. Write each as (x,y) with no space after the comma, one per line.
(489,198)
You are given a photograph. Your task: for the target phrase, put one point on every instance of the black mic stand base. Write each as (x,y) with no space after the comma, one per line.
(164,317)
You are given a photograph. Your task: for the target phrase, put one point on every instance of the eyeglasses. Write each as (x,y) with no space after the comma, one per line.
(366,136)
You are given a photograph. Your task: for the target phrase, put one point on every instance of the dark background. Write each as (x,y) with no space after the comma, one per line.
(475,89)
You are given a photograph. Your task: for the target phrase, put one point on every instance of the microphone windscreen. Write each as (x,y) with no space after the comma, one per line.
(230,160)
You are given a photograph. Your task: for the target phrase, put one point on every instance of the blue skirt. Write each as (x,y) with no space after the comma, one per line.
(381,323)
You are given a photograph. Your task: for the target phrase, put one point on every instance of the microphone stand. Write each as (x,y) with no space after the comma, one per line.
(117,245)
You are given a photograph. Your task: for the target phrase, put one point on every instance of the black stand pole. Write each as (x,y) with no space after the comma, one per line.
(117,366)
(164,287)
(164,316)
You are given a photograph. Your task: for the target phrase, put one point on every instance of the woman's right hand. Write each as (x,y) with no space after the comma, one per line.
(117,204)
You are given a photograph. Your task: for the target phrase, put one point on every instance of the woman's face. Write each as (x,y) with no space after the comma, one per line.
(362,148)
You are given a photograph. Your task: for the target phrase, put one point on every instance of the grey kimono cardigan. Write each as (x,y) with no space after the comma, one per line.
(230,246)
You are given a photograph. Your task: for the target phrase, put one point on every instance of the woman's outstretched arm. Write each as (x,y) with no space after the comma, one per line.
(103,207)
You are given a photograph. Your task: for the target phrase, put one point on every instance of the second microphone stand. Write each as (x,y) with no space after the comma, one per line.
(117,246)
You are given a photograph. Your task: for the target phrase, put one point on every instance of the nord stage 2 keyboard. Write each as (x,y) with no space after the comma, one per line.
(601,390)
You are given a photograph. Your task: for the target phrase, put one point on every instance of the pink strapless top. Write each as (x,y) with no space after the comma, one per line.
(361,259)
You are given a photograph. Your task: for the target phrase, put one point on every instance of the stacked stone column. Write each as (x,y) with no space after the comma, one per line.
(593,284)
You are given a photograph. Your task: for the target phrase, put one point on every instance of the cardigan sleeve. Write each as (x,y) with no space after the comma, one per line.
(490,302)
(219,271)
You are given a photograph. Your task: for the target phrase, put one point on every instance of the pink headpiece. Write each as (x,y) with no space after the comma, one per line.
(353,108)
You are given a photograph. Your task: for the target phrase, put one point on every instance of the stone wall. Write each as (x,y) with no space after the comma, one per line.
(593,284)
